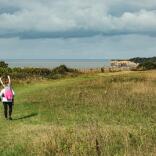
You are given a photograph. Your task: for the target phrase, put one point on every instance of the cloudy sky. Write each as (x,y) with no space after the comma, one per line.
(74,29)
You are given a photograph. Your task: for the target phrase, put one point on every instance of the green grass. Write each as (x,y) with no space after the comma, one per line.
(100,114)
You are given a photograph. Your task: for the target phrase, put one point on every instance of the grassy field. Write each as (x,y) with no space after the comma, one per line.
(105,114)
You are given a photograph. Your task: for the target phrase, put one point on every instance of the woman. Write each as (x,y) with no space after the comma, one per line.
(7,96)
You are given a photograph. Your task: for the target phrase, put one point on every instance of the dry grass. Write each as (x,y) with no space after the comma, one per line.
(103,114)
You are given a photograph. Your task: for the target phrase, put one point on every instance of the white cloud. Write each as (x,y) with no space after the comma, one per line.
(75,15)
(112,28)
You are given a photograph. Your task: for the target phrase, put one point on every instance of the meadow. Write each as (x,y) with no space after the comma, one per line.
(101,114)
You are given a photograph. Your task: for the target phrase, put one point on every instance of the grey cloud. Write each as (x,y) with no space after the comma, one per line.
(78,18)
(8,10)
(36,35)
(91,47)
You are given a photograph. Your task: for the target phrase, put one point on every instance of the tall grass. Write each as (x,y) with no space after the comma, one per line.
(103,114)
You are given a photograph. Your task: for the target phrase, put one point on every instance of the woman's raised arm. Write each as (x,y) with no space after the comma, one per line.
(9,80)
(2,82)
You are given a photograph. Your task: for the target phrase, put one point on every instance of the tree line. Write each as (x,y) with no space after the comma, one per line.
(145,63)
(23,73)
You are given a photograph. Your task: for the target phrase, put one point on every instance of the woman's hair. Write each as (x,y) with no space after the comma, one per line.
(5,81)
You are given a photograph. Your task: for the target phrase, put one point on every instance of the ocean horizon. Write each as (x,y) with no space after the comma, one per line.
(52,63)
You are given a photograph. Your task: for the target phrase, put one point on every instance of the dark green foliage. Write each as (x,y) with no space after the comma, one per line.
(3,64)
(36,71)
(24,73)
(102,70)
(142,60)
(5,71)
(147,65)
(62,69)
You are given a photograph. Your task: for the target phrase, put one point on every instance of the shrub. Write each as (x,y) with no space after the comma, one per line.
(147,65)
(5,71)
(143,60)
(24,73)
(62,69)
(3,64)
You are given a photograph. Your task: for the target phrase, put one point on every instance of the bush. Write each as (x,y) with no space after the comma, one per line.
(24,73)
(143,60)
(62,69)
(3,64)
(147,65)
(5,71)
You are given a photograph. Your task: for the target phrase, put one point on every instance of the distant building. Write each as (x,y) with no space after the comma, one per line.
(128,64)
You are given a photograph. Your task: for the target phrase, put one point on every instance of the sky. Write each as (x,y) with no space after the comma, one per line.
(77,29)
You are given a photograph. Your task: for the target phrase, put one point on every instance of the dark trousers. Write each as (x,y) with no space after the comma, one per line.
(6,106)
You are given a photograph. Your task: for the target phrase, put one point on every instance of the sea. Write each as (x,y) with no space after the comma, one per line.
(52,63)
